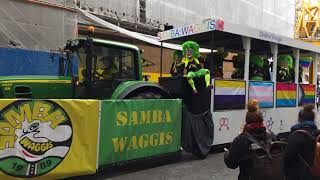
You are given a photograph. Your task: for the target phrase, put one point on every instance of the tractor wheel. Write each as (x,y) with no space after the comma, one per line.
(146,95)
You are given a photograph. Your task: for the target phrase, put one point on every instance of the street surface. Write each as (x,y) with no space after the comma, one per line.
(187,168)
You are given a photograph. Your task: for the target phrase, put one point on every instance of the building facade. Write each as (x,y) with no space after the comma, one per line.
(269,15)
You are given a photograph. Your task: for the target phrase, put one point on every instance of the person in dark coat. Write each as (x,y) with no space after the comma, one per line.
(177,68)
(300,145)
(238,155)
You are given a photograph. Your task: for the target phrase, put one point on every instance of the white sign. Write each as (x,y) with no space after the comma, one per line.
(204,26)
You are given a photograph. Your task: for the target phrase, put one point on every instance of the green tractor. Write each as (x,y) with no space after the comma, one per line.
(107,70)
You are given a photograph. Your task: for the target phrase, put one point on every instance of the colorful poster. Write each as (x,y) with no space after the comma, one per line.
(306,94)
(229,94)
(48,139)
(263,92)
(305,61)
(134,129)
(286,95)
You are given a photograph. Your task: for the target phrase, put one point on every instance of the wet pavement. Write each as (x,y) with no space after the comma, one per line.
(186,168)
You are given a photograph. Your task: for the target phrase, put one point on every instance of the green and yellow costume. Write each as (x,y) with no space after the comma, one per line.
(259,68)
(285,69)
(190,61)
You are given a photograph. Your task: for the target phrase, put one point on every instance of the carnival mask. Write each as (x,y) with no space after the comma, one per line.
(189,52)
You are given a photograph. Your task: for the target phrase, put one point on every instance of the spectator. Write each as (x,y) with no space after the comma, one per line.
(301,145)
(238,155)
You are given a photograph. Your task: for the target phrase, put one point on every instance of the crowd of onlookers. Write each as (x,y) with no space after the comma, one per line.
(260,155)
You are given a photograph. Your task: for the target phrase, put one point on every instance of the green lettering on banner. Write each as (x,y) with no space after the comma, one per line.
(138,128)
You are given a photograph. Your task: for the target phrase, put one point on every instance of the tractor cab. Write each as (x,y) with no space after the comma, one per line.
(102,66)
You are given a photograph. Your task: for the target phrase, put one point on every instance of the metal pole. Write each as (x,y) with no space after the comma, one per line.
(274,51)
(161,60)
(296,54)
(315,69)
(246,41)
(212,79)
(315,79)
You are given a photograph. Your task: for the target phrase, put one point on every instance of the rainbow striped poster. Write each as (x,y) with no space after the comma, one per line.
(305,61)
(229,94)
(263,92)
(286,95)
(306,94)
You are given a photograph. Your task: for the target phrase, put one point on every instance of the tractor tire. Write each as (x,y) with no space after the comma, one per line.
(146,95)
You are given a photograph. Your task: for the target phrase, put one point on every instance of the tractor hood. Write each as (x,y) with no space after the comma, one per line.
(33,77)
(44,87)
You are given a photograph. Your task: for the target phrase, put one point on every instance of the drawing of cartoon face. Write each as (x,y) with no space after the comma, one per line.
(39,136)
(37,140)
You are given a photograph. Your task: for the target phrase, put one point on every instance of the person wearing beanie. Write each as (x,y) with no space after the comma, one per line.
(237,155)
(301,145)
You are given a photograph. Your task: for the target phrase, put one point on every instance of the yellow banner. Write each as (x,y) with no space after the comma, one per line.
(48,139)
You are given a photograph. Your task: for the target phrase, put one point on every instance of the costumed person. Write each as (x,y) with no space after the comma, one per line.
(214,63)
(238,64)
(176,67)
(285,68)
(192,64)
(259,68)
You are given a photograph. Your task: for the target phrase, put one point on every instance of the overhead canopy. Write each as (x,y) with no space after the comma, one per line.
(213,33)
(145,38)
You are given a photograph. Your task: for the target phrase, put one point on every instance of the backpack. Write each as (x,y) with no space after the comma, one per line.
(315,168)
(267,159)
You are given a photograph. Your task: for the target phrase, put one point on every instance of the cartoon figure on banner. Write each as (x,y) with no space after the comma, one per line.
(192,65)
(37,139)
(281,125)
(269,122)
(224,122)
(176,66)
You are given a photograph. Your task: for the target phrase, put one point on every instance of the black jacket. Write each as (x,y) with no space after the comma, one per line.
(303,145)
(237,156)
(176,69)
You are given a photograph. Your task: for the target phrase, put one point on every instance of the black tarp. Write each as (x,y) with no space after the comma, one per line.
(179,88)
(197,133)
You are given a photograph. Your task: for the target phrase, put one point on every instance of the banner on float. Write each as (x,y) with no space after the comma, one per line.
(263,92)
(48,139)
(307,93)
(229,94)
(134,129)
(286,95)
